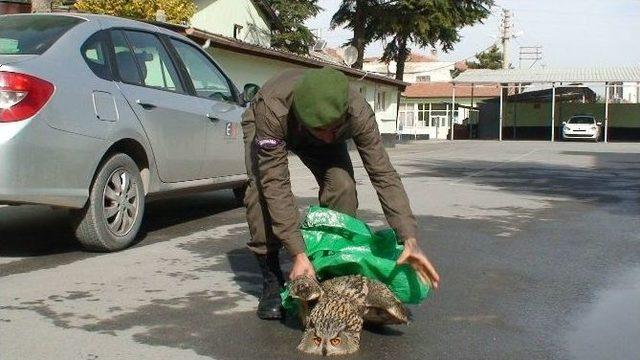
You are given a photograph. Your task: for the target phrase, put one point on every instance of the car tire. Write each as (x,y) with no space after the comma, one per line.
(239,192)
(112,217)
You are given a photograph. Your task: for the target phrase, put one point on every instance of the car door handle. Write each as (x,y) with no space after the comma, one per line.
(213,117)
(145,105)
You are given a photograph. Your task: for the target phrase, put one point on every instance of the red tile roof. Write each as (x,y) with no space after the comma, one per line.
(445,89)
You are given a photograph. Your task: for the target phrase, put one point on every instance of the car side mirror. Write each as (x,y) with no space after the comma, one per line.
(249,92)
(564,123)
(599,123)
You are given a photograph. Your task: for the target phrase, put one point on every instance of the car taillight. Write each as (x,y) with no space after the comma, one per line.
(22,96)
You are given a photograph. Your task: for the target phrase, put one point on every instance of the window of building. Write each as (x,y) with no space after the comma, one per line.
(615,91)
(423,78)
(423,114)
(406,115)
(381,101)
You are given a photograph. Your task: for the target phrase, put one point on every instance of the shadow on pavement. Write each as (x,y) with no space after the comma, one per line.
(35,230)
(27,231)
(607,181)
(179,213)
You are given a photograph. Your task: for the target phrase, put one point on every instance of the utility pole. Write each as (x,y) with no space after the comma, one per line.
(506,33)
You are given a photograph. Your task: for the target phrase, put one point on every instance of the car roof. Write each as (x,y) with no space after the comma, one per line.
(108,21)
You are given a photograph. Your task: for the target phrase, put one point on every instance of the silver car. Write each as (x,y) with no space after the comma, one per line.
(99,113)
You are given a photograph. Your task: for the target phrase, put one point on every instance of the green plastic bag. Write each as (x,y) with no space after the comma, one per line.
(338,244)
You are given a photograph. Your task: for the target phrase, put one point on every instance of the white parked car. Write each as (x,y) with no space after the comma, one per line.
(581,127)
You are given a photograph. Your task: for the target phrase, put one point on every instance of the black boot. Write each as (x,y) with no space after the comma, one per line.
(269,305)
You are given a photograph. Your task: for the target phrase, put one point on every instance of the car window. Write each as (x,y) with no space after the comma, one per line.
(207,80)
(125,62)
(581,120)
(155,65)
(94,52)
(32,34)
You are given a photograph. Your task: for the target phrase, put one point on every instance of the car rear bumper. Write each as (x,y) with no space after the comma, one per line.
(41,165)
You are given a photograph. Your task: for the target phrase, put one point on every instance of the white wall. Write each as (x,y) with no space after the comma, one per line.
(631,92)
(386,115)
(243,68)
(219,17)
(438,71)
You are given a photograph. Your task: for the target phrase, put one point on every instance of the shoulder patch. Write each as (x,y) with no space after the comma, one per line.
(269,144)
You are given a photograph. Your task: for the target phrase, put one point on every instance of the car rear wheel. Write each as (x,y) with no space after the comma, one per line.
(112,217)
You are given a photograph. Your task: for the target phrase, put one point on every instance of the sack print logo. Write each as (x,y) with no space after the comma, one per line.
(269,144)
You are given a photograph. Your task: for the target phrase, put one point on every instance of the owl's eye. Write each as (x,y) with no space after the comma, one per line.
(317,341)
(335,341)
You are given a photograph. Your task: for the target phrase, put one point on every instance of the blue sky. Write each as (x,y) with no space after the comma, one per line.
(573,33)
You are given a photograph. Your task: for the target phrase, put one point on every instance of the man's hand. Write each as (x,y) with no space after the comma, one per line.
(413,255)
(301,267)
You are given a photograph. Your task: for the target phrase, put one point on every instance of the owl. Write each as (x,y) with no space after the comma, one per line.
(333,312)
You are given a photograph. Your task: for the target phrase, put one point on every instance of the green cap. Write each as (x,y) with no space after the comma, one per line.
(321,97)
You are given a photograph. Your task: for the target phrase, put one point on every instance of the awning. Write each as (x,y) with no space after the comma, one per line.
(547,75)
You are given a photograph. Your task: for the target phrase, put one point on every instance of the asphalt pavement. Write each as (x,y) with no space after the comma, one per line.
(537,245)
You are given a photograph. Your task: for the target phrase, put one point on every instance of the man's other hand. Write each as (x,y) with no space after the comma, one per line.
(413,255)
(301,267)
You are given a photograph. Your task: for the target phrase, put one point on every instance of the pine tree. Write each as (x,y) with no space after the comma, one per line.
(489,59)
(434,23)
(292,35)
